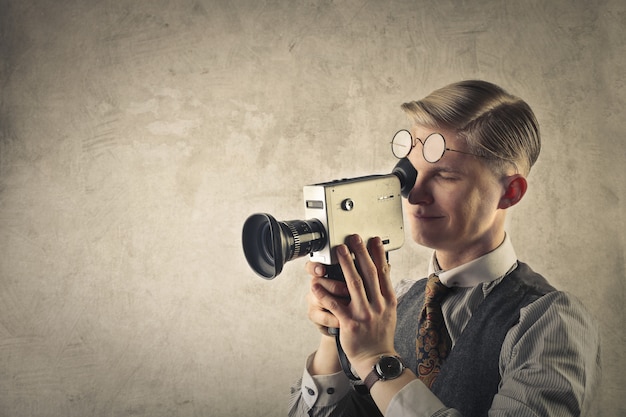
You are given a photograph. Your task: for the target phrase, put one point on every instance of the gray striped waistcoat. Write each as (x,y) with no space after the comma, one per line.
(469,378)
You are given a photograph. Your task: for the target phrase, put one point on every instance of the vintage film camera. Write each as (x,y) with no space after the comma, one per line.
(369,206)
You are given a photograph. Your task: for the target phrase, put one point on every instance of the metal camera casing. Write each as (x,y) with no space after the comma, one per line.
(369,206)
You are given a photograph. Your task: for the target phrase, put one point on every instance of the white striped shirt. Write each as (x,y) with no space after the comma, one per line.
(549,362)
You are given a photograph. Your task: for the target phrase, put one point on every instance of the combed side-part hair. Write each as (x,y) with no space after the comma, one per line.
(495,124)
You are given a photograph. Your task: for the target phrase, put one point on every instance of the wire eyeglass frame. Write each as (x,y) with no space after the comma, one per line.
(433,147)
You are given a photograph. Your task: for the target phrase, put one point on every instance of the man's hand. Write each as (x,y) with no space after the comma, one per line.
(326,359)
(368,320)
(318,314)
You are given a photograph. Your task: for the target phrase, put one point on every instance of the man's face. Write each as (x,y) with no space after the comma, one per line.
(453,207)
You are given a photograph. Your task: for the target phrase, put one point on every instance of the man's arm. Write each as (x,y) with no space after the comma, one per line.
(309,396)
(330,395)
(333,396)
(550,361)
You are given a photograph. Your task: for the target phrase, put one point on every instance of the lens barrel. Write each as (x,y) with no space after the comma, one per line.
(268,244)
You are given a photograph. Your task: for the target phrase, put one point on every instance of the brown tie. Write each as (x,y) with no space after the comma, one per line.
(433,340)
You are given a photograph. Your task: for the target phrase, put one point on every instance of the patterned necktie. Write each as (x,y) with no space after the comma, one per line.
(433,340)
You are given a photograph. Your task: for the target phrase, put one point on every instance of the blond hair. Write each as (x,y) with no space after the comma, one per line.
(496,125)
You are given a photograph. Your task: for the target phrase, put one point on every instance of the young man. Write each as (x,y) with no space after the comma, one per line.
(508,343)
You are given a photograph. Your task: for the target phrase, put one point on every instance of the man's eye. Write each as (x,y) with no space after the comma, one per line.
(448,177)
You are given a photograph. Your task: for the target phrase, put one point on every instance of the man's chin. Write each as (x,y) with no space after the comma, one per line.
(432,241)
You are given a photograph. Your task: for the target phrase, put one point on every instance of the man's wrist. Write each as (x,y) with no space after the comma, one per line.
(325,360)
(364,366)
(387,367)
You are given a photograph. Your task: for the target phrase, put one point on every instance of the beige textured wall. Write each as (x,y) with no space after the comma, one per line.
(137,136)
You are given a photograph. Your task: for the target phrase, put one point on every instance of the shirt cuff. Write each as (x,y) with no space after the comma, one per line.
(414,399)
(323,390)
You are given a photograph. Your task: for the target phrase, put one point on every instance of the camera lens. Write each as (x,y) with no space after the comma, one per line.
(266,246)
(269,244)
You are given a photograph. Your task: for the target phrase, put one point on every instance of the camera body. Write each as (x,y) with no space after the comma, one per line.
(369,206)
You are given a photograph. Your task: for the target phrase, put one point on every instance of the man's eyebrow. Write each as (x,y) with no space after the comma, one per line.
(448,169)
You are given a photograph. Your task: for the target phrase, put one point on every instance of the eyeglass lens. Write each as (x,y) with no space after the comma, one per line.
(401,144)
(433,146)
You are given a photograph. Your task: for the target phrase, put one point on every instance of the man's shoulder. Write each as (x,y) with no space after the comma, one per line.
(534,282)
(539,299)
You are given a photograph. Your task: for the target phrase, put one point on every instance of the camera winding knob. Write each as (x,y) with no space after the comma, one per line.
(347,204)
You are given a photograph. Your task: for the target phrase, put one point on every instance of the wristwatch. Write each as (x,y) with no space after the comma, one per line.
(387,367)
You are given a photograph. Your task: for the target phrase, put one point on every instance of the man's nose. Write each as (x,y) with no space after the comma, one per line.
(420,193)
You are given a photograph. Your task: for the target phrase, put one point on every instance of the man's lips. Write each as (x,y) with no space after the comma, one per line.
(427,216)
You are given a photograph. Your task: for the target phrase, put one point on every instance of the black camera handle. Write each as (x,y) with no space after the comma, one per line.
(335,272)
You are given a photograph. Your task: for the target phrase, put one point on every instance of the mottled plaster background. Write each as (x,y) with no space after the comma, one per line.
(137,136)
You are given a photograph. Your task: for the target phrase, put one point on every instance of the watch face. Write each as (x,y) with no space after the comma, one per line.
(389,367)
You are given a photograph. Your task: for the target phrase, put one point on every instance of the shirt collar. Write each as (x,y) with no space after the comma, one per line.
(487,268)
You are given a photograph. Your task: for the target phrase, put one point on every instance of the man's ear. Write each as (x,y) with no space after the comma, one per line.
(515,188)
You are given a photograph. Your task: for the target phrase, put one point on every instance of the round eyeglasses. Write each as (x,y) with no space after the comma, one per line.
(433,147)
